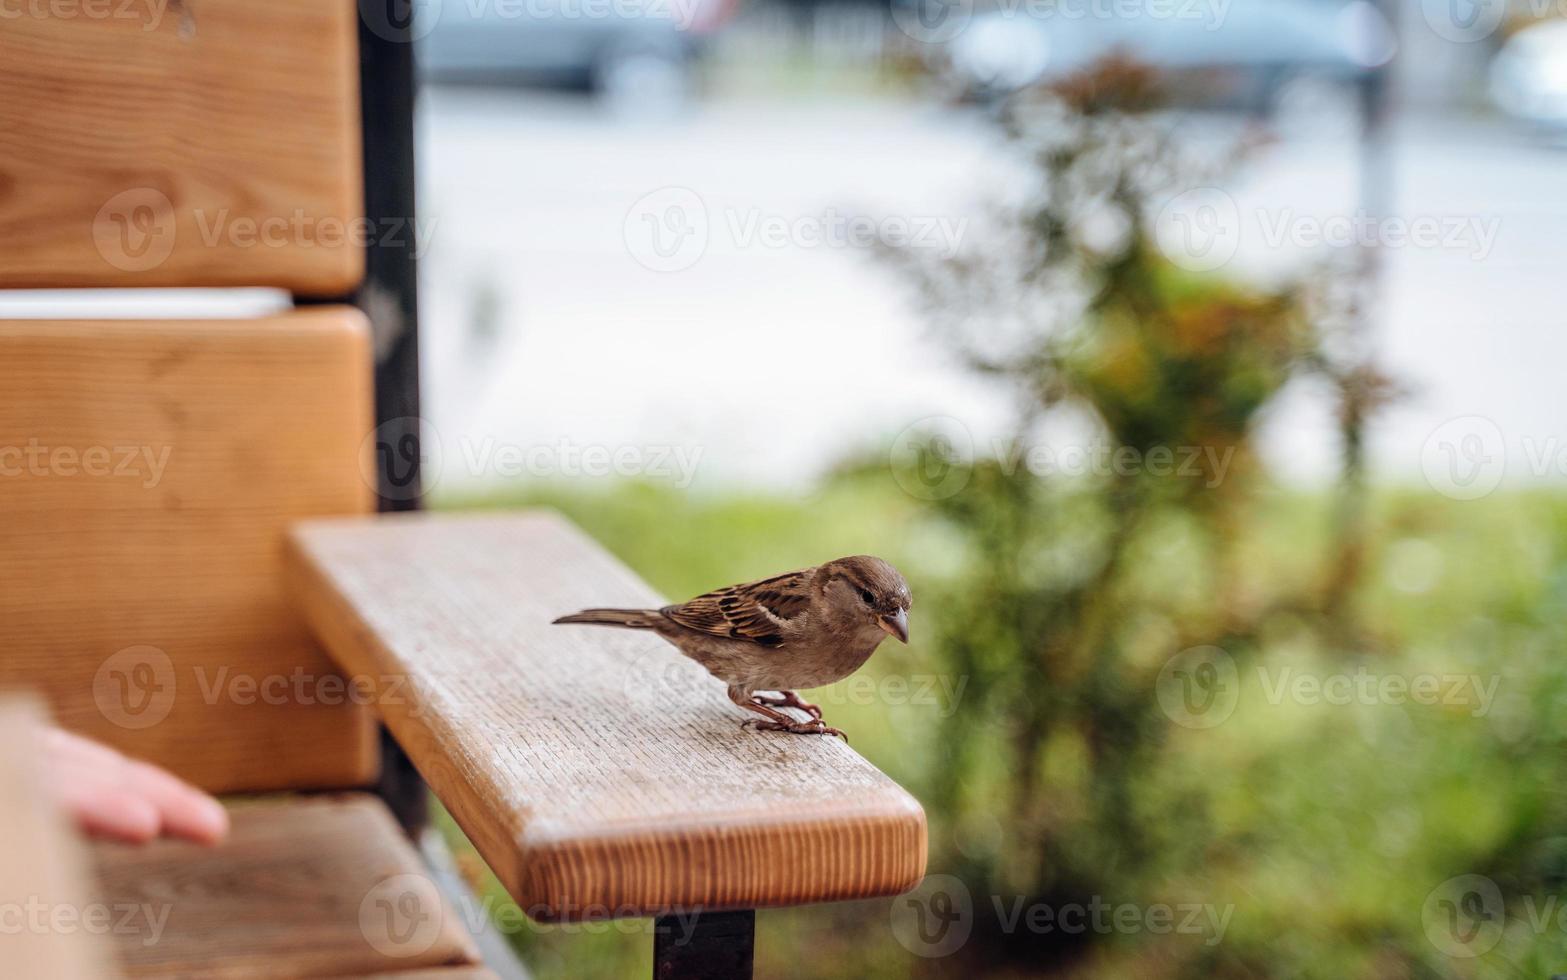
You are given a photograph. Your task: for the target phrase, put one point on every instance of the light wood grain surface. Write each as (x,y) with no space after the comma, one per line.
(594,770)
(322,887)
(141,550)
(186,142)
(42,866)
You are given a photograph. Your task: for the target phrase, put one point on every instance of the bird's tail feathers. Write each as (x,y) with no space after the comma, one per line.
(631,619)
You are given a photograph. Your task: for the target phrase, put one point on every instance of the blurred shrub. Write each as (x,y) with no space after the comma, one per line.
(1066,606)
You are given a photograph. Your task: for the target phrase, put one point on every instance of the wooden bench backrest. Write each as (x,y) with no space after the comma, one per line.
(180,143)
(148,468)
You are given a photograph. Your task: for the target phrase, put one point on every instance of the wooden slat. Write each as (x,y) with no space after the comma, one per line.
(143,602)
(595,772)
(139,142)
(312,888)
(42,866)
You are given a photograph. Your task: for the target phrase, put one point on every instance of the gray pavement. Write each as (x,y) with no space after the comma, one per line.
(609,286)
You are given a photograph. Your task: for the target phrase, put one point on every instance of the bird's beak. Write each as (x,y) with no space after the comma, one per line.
(896,625)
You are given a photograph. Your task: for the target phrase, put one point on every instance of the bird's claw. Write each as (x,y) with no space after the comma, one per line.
(814,727)
(789,699)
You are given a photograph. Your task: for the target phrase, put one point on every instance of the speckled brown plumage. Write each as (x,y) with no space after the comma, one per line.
(801,629)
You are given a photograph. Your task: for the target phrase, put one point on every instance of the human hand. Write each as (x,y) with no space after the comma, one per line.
(113,796)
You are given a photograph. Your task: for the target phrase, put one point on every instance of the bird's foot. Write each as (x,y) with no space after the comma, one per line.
(813,727)
(789,699)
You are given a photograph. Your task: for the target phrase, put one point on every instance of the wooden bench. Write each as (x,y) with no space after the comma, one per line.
(596,771)
(191,569)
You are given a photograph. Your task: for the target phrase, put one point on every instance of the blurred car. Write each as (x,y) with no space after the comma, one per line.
(1258,53)
(628,50)
(1529,75)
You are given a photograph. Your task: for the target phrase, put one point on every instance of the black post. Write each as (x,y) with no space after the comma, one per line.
(704,946)
(389,298)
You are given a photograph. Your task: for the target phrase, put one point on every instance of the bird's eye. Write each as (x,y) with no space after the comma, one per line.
(865,595)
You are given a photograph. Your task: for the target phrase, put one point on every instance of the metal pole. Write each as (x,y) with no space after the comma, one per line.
(389,298)
(704,946)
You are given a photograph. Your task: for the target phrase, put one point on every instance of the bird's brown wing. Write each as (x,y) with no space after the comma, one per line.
(756,611)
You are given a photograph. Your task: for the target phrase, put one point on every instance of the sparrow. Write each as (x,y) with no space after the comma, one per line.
(801,629)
